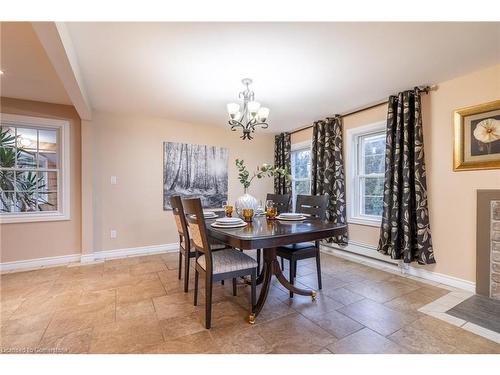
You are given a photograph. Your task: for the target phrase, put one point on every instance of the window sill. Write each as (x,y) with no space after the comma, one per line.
(364,221)
(33,217)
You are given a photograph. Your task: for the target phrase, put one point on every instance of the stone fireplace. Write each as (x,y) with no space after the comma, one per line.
(495,250)
(488,244)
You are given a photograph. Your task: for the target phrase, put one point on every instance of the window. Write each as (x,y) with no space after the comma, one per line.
(34,170)
(366,177)
(301,170)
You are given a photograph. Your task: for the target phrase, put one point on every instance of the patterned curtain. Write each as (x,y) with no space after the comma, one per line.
(405,231)
(282,159)
(327,170)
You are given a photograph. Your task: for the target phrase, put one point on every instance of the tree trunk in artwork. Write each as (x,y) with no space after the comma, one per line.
(216,185)
(188,166)
(174,181)
(206,168)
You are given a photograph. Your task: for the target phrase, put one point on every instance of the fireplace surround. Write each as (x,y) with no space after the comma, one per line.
(488,243)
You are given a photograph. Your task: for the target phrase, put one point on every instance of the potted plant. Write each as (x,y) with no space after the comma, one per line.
(265,170)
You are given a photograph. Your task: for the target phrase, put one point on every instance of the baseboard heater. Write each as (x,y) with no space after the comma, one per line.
(366,251)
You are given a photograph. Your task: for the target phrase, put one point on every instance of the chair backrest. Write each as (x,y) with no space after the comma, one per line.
(281,201)
(180,219)
(196,223)
(314,205)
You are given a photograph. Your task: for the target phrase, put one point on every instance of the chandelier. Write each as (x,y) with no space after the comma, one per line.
(248,115)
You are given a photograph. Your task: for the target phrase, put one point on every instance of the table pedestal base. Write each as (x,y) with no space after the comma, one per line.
(272,267)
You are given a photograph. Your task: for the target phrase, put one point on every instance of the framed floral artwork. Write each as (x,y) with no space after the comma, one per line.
(477,137)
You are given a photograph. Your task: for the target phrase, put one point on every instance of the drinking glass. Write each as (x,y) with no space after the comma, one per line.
(269,203)
(260,208)
(229,211)
(271,212)
(248,214)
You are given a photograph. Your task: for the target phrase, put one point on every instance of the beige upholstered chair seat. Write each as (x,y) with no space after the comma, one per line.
(228,260)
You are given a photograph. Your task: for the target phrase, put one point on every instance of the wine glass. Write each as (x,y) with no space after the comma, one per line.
(269,203)
(260,208)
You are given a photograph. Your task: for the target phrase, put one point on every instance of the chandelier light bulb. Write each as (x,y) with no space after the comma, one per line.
(237,116)
(253,108)
(233,108)
(263,114)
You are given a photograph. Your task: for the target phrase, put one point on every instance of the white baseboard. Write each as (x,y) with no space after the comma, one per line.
(442,278)
(40,262)
(87,258)
(131,251)
(366,254)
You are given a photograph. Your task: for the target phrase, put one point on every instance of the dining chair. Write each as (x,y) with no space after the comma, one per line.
(315,206)
(281,201)
(215,265)
(185,246)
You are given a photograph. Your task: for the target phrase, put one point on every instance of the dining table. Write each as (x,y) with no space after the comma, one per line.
(268,235)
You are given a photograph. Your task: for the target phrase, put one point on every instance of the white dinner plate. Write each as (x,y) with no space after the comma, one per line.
(290,214)
(225,225)
(241,225)
(204,216)
(228,220)
(295,218)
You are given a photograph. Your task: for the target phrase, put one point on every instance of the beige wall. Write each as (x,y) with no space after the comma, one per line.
(130,147)
(22,241)
(452,195)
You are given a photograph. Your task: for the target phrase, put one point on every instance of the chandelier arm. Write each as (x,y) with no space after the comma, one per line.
(263,125)
(234,124)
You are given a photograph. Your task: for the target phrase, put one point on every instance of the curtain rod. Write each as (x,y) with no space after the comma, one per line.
(423,89)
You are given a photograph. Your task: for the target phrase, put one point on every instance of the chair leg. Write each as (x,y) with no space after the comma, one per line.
(292,266)
(234,286)
(180,264)
(186,273)
(222,282)
(282,264)
(318,269)
(208,301)
(196,276)
(253,280)
(258,261)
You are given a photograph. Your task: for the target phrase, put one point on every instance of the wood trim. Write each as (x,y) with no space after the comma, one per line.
(458,145)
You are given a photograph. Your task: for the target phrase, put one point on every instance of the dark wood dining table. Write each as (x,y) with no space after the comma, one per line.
(266,234)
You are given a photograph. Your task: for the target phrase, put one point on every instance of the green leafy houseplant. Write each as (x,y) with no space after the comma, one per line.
(26,184)
(265,170)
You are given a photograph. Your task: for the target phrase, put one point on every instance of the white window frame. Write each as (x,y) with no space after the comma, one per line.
(299,146)
(63,183)
(354,215)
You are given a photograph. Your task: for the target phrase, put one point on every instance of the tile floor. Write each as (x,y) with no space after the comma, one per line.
(136,305)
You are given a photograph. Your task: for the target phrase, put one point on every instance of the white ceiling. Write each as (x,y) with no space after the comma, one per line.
(28,73)
(301,71)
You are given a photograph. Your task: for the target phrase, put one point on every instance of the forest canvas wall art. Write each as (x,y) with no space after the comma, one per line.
(195,171)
